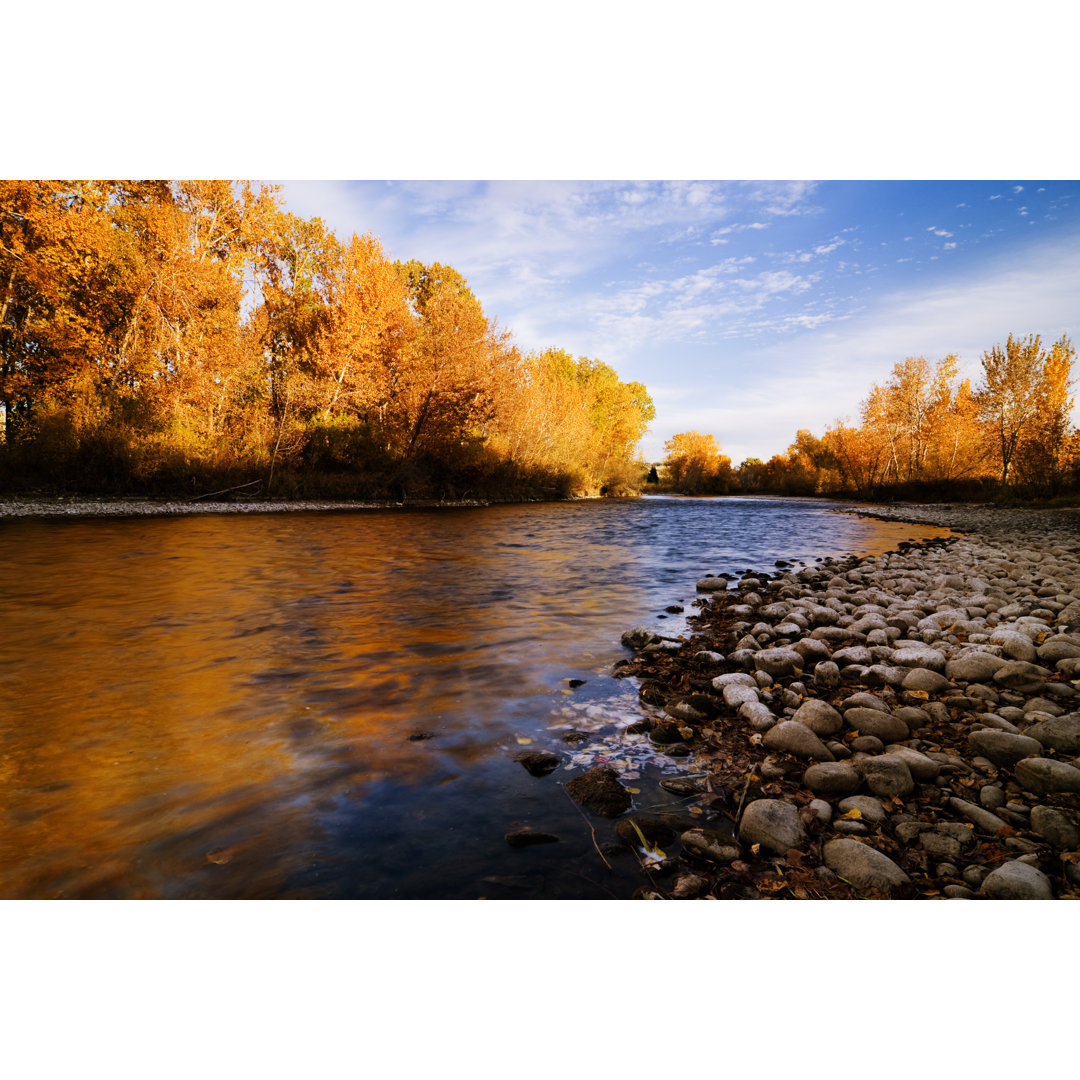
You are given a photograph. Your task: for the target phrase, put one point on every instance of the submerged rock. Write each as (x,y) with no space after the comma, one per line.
(600,792)
(538,762)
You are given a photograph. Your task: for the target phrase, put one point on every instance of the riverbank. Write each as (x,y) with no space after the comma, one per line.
(902,725)
(85,506)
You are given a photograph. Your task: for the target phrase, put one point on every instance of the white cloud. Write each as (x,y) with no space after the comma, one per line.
(1018,189)
(756,400)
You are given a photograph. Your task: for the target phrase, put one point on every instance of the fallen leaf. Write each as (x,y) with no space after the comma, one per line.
(851,815)
(522,741)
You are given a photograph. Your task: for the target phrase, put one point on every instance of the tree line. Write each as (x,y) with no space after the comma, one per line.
(924,432)
(174,336)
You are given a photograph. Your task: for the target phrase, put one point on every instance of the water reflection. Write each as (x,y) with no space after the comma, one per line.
(326,704)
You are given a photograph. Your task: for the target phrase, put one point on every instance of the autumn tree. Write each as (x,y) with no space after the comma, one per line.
(1024,388)
(696,465)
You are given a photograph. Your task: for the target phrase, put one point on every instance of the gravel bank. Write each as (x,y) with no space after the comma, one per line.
(904,725)
(77,506)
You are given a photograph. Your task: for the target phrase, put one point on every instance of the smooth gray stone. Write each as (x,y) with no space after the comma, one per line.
(779,661)
(711,845)
(886,776)
(1044,776)
(919,657)
(1016,881)
(930,682)
(1002,747)
(862,865)
(832,778)
(870,808)
(1055,827)
(980,818)
(819,716)
(772,823)
(796,739)
(1021,676)
(973,667)
(923,769)
(1062,733)
(884,726)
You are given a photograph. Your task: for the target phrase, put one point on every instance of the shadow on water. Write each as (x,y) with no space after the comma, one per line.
(328,704)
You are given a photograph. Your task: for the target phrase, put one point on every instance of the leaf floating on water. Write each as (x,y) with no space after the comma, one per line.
(634,790)
(219,856)
(522,741)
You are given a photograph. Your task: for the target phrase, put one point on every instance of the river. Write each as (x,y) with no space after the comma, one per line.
(309,705)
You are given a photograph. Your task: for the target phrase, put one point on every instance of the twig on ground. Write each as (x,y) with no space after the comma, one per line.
(225,491)
(591,829)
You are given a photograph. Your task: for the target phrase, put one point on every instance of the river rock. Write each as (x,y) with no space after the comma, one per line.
(919,657)
(1022,676)
(832,778)
(923,770)
(713,846)
(863,700)
(884,726)
(1016,881)
(791,737)
(826,675)
(599,791)
(693,708)
(927,681)
(737,678)
(886,776)
(1062,733)
(1014,645)
(819,716)
(863,866)
(530,838)
(870,809)
(980,818)
(538,762)
(1001,747)
(1050,652)
(773,824)
(778,661)
(736,693)
(712,584)
(811,650)
(1044,776)
(639,637)
(853,654)
(977,667)
(1055,827)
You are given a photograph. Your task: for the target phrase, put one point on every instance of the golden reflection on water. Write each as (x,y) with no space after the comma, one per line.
(191,706)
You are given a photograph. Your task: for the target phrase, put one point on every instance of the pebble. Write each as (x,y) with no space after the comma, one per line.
(901,699)
(862,865)
(797,739)
(773,824)
(1016,881)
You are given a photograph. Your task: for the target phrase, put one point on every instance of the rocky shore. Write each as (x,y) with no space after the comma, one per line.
(904,725)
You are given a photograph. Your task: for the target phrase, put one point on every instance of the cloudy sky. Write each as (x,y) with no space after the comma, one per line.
(748,309)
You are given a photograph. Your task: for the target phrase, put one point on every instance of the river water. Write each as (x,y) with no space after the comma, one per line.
(328,704)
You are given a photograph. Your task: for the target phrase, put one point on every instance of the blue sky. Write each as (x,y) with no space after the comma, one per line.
(748,309)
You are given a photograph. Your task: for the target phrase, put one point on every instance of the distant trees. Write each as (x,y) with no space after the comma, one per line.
(1025,402)
(695,464)
(923,430)
(164,333)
